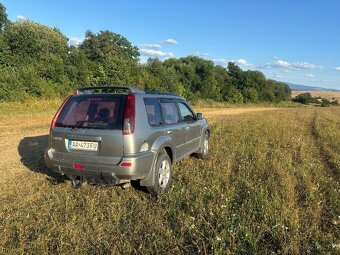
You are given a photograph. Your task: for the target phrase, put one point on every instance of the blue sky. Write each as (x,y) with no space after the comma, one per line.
(291,41)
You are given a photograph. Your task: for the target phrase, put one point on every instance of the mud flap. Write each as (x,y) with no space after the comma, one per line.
(149,180)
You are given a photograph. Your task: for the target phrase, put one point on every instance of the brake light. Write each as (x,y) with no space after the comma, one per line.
(126,164)
(129,115)
(79,166)
(94,99)
(55,118)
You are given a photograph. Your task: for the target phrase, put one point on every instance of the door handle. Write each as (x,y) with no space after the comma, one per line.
(169,131)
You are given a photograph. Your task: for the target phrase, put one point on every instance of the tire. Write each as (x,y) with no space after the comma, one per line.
(162,175)
(203,154)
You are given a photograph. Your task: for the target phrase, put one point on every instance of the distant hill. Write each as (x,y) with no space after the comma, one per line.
(308,88)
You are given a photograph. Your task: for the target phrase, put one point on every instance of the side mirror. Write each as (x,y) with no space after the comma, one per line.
(199,116)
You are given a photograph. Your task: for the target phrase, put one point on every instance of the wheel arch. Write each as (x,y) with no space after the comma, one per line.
(162,143)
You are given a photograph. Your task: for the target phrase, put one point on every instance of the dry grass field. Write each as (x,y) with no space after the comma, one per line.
(329,95)
(270,185)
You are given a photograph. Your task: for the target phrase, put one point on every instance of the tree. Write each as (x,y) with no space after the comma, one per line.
(105,44)
(236,74)
(198,76)
(250,94)
(305,98)
(30,39)
(3,18)
(233,95)
(325,102)
(224,81)
(36,55)
(254,79)
(4,51)
(282,91)
(162,77)
(113,58)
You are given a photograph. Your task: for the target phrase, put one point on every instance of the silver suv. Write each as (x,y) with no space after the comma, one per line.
(112,135)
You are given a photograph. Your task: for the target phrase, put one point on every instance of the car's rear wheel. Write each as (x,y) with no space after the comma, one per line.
(203,154)
(162,175)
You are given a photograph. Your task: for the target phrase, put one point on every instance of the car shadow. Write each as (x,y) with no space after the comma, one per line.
(136,185)
(31,151)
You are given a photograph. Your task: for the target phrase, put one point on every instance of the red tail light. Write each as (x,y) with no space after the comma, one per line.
(126,164)
(79,166)
(55,118)
(129,115)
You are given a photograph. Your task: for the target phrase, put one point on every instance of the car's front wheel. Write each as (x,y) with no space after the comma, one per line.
(162,175)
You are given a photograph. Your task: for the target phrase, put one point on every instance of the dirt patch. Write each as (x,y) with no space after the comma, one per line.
(213,113)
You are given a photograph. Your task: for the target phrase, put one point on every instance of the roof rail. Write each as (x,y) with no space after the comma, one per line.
(110,89)
(162,93)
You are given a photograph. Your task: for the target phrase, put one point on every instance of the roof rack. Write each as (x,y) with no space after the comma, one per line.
(162,93)
(109,89)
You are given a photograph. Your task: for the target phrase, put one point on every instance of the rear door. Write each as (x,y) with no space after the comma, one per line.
(192,127)
(89,129)
(172,125)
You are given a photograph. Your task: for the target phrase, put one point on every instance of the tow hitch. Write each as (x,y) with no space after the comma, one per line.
(77,181)
(76,184)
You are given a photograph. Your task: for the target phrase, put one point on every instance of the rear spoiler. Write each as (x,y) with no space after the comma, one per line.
(109,89)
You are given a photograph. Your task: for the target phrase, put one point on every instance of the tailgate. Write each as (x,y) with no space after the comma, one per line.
(88,145)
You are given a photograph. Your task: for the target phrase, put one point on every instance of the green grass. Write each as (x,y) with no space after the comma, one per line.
(209,103)
(327,131)
(269,186)
(31,107)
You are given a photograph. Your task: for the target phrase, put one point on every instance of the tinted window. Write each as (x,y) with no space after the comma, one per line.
(170,113)
(153,111)
(100,112)
(186,114)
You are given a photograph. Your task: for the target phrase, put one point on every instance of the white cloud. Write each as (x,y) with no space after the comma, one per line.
(156,53)
(151,46)
(337,68)
(170,41)
(309,75)
(20,17)
(201,54)
(241,62)
(278,75)
(75,41)
(305,65)
(224,62)
(282,63)
(276,57)
(293,65)
(221,61)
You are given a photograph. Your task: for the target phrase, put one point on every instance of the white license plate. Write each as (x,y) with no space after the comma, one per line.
(82,145)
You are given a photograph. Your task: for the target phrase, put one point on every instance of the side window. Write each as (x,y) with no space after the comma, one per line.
(153,111)
(186,113)
(170,113)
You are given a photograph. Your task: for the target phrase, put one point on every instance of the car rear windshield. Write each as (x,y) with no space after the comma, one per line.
(93,111)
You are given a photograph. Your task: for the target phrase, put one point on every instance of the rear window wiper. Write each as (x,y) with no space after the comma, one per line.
(62,125)
(79,124)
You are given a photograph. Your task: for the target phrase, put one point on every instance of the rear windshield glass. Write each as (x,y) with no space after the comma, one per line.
(93,111)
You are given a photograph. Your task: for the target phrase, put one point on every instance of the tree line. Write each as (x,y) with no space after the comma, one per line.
(36,60)
(307,98)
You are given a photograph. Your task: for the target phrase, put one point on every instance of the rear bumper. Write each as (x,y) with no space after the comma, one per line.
(141,164)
